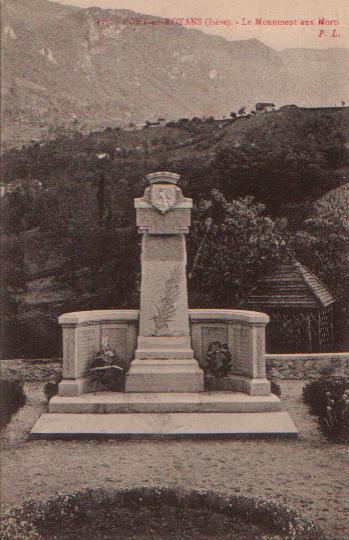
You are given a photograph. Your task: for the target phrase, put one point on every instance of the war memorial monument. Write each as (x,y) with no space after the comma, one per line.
(164,345)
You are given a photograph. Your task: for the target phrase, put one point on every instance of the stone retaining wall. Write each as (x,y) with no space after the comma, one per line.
(306,366)
(29,370)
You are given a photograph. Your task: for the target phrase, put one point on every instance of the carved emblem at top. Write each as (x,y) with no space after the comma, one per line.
(163,197)
(163,191)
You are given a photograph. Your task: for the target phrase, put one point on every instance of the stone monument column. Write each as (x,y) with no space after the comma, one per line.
(164,359)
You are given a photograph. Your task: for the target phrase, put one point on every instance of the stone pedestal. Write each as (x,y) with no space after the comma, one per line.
(164,360)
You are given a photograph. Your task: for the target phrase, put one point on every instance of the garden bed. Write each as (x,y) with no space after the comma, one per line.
(159,513)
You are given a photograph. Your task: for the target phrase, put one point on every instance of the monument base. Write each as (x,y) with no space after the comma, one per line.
(165,375)
(164,425)
(161,415)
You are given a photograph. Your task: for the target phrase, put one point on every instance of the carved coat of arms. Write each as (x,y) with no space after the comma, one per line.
(163,197)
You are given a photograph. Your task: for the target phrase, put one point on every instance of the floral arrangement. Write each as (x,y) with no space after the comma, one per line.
(218,359)
(104,370)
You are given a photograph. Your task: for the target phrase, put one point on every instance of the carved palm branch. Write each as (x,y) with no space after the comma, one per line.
(165,308)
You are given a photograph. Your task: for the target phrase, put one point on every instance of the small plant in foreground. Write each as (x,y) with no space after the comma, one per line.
(12,397)
(275,388)
(314,392)
(51,387)
(335,423)
(218,359)
(105,369)
(328,398)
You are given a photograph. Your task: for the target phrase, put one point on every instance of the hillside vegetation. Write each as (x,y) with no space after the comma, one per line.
(69,230)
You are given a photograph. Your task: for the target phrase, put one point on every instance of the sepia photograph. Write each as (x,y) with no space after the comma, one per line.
(174,270)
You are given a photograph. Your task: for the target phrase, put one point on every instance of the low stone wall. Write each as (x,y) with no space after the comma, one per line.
(306,366)
(30,370)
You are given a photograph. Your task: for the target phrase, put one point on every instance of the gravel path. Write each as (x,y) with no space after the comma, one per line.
(310,474)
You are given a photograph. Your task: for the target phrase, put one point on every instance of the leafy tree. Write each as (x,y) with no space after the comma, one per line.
(240,245)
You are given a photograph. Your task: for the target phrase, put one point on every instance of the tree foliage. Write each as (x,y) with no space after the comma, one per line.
(254,183)
(241,244)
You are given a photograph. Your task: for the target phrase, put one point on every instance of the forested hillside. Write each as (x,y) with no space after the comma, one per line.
(69,231)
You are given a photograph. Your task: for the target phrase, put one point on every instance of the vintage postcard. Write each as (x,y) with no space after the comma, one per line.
(174,278)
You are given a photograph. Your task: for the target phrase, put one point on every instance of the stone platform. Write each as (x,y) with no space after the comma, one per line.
(164,402)
(166,414)
(164,425)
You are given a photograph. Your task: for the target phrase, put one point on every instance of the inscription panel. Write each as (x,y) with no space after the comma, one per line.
(69,361)
(243,351)
(260,354)
(88,345)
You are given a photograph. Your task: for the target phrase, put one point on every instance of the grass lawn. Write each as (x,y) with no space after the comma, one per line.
(311,474)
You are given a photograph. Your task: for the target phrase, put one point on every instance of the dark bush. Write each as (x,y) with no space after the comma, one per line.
(51,387)
(314,392)
(275,388)
(12,397)
(328,398)
(334,424)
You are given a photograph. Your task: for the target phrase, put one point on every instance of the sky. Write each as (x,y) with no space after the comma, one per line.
(278,37)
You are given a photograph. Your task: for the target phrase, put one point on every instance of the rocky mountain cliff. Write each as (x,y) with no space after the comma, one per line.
(61,66)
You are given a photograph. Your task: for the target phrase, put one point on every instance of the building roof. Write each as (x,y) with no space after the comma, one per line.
(291,285)
(261,105)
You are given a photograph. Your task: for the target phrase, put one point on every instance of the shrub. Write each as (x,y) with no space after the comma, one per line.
(275,388)
(334,424)
(328,398)
(315,392)
(51,387)
(33,518)
(12,397)
(218,359)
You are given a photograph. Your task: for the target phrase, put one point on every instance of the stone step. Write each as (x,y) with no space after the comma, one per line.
(164,353)
(164,362)
(164,368)
(164,425)
(161,402)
